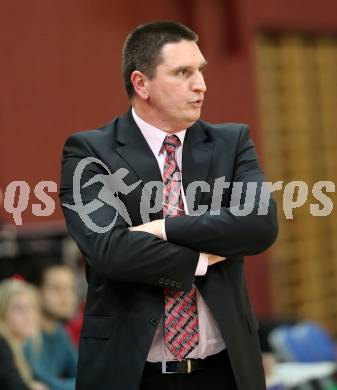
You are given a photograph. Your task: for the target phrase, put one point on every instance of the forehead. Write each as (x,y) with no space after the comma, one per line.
(183,53)
(58,275)
(22,297)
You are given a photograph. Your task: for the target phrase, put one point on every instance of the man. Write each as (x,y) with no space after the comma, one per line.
(167,304)
(54,360)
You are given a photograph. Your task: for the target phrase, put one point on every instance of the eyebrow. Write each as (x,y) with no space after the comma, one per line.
(201,66)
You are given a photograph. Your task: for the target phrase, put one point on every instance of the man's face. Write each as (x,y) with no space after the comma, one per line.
(58,293)
(176,92)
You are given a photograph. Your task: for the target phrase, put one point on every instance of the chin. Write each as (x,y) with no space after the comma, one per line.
(29,333)
(193,116)
(187,120)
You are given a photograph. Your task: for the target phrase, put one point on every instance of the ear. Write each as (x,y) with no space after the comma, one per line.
(140,81)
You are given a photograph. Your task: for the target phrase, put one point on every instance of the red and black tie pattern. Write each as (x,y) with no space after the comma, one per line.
(181,316)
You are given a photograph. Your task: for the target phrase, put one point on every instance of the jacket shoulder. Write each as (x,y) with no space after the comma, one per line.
(89,141)
(225,129)
(94,134)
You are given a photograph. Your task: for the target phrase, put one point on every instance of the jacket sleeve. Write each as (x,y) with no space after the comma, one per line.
(229,233)
(118,253)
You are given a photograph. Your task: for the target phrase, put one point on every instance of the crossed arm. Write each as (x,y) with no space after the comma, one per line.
(139,257)
(227,234)
(156,228)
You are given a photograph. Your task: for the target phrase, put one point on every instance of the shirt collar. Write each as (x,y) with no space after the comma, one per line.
(154,136)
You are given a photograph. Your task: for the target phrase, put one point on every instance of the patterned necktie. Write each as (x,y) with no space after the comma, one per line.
(181,316)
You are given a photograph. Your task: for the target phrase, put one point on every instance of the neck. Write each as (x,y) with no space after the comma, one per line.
(149,115)
(48,323)
(17,340)
(10,336)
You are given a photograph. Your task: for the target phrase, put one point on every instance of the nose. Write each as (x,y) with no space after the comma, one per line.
(199,84)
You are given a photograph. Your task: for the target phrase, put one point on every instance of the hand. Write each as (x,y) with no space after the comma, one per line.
(213,259)
(154,227)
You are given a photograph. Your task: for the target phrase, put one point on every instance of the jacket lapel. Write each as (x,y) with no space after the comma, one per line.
(133,148)
(197,157)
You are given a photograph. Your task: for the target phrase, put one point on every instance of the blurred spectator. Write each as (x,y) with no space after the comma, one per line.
(74,258)
(55,363)
(19,319)
(74,326)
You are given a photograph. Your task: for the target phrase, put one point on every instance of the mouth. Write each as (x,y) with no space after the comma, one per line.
(197,103)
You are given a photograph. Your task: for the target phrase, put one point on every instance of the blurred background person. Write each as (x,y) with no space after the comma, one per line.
(19,319)
(56,361)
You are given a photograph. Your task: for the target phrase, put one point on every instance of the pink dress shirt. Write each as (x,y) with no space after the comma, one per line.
(210,339)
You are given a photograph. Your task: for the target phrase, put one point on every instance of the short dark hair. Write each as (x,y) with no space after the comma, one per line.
(38,278)
(142,48)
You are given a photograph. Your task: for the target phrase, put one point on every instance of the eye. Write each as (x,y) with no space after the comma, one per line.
(183,72)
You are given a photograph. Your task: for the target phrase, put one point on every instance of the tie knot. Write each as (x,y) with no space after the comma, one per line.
(171,142)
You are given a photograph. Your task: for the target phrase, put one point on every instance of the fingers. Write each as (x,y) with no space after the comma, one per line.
(213,259)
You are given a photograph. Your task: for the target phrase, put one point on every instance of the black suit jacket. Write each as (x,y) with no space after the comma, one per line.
(127,271)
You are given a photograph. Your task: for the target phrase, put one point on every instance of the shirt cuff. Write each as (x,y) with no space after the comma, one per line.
(163,230)
(202,265)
